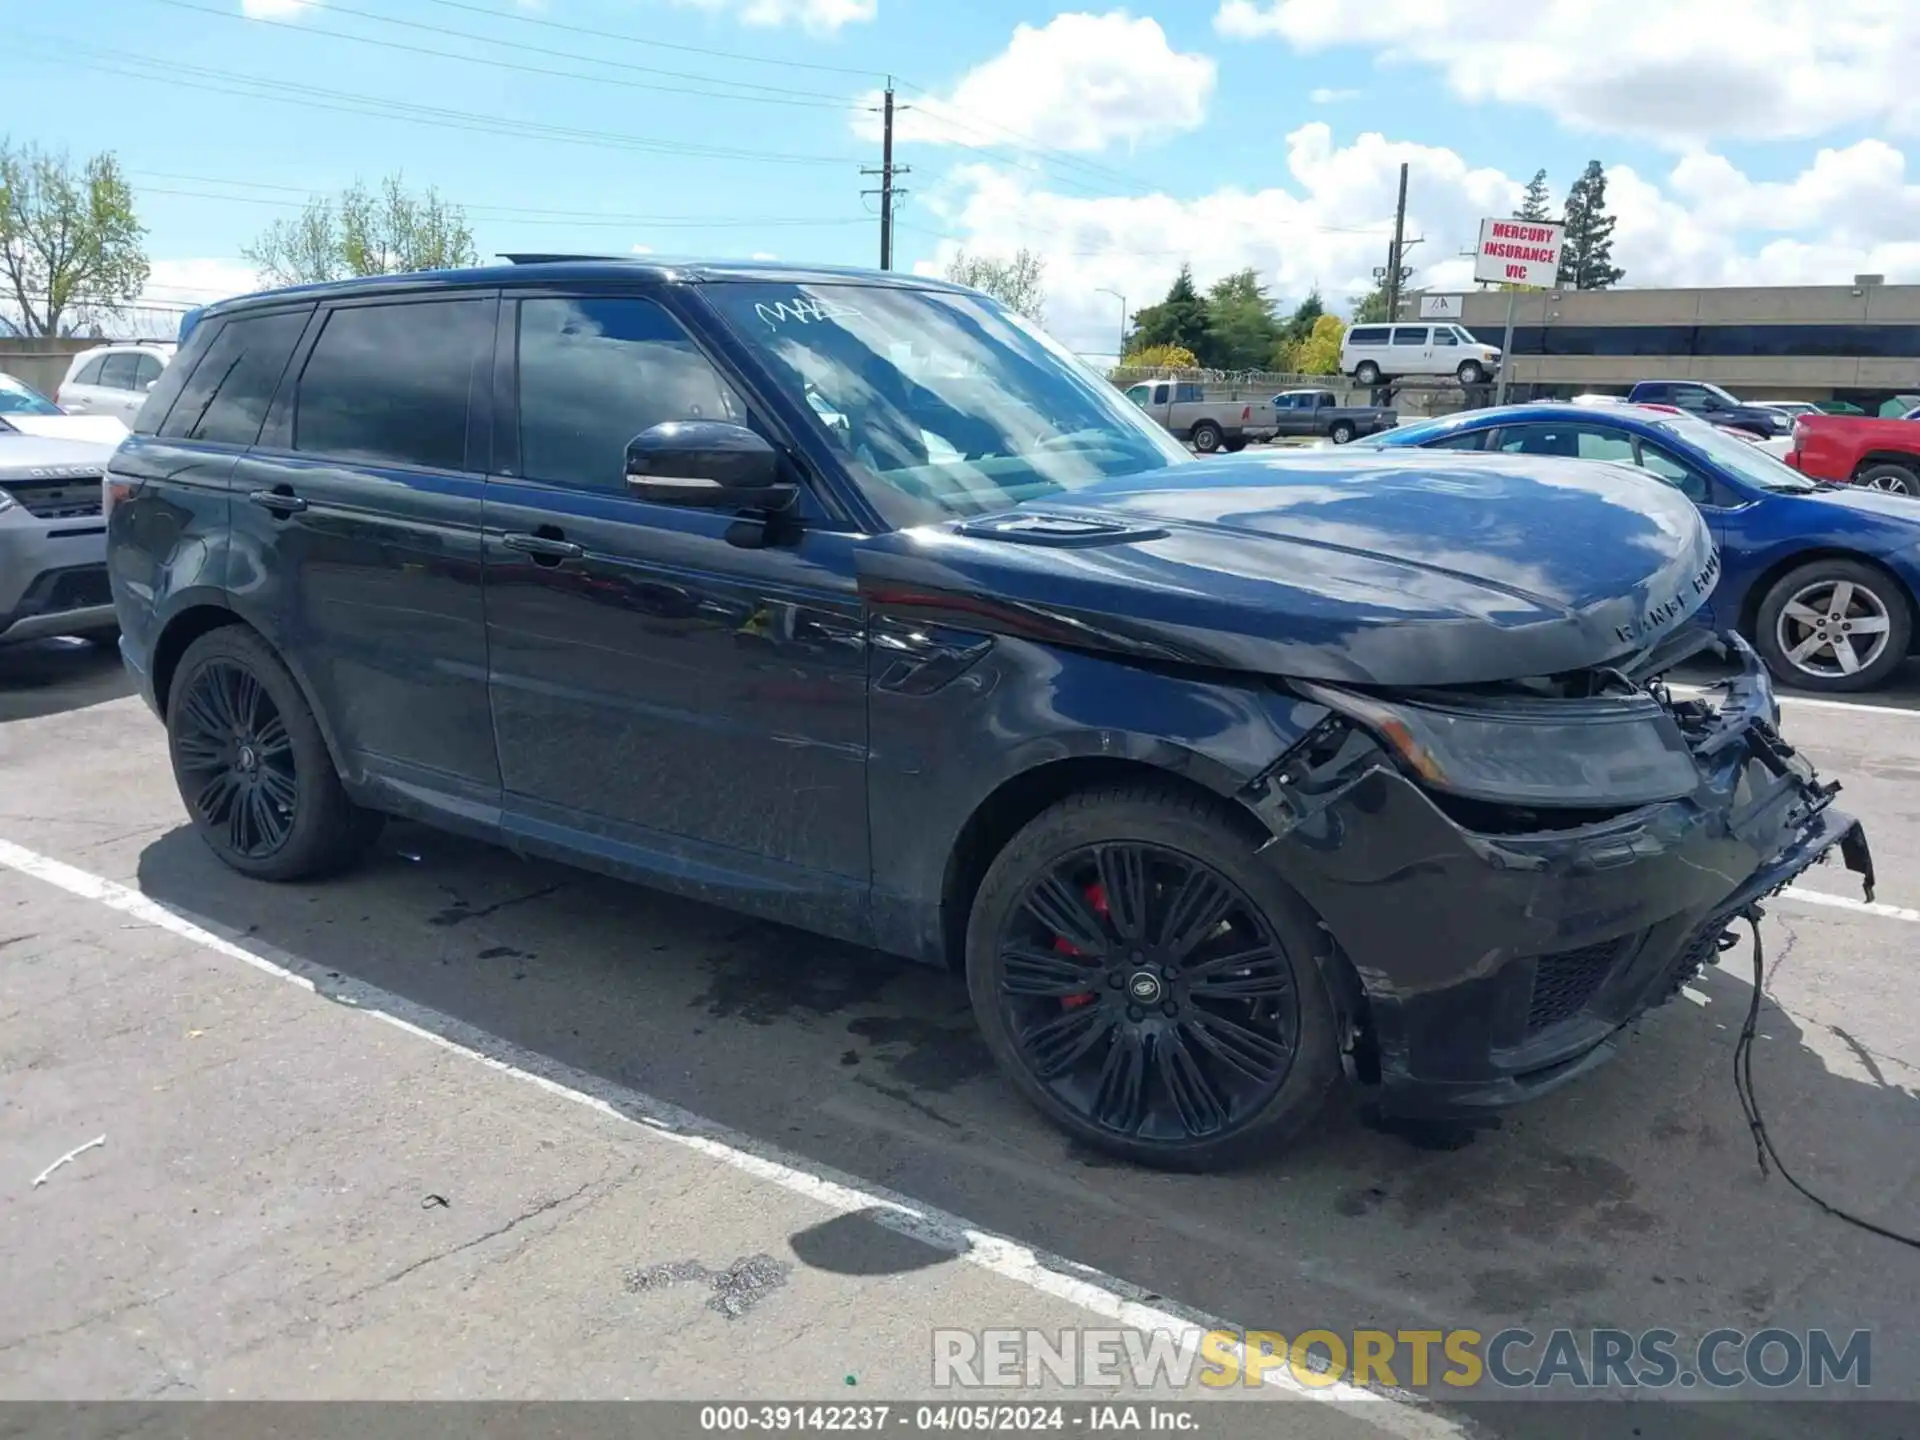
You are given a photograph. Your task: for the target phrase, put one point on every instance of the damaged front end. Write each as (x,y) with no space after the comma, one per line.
(1514,872)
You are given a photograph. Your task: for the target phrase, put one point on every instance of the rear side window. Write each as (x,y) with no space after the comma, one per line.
(1368,335)
(594,373)
(146,370)
(227,395)
(117,371)
(1404,335)
(392,384)
(1185,394)
(90,372)
(1464,440)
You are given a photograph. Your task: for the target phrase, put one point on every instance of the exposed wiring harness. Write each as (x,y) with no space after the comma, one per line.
(1763,1149)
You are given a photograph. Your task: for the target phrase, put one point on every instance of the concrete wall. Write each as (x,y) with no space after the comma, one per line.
(40,363)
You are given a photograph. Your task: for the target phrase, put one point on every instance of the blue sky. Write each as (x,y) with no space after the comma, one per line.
(1263,132)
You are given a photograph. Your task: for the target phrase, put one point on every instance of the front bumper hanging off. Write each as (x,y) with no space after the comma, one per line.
(1492,967)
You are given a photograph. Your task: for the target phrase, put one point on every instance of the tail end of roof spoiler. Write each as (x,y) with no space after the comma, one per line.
(189,321)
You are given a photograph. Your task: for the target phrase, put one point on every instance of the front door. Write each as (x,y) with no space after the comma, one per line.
(666,688)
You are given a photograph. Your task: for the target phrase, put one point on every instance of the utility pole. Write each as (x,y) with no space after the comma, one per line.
(1393,256)
(888,173)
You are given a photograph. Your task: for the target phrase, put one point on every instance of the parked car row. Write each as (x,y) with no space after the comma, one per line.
(857,603)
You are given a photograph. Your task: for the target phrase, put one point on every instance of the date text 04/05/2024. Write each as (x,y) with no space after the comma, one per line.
(976,1418)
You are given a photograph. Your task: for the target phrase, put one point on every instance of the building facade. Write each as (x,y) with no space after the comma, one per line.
(1857,345)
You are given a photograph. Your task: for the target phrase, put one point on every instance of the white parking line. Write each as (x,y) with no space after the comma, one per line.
(1092,1290)
(1847,902)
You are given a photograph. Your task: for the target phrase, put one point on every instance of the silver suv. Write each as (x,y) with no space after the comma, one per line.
(53,565)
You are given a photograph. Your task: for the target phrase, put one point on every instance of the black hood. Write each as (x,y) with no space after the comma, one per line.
(1384,568)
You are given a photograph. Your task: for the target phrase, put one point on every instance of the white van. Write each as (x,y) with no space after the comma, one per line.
(1373,353)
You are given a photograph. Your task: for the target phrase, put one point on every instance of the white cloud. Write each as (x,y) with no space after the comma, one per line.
(1682,74)
(199,281)
(272,9)
(1324,96)
(820,16)
(1080,82)
(1706,223)
(763,255)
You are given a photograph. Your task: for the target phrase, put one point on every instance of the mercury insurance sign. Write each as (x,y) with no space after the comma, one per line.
(1518,252)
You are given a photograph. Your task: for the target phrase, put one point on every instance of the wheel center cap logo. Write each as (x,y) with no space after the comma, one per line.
(1144,987)
(246,757)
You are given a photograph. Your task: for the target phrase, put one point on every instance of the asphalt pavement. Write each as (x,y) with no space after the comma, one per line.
(460,1125)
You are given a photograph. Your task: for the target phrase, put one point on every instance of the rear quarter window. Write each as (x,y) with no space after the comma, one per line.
(1368,335)
(225,398)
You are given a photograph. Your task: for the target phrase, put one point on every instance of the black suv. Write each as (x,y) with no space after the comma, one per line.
(854,601)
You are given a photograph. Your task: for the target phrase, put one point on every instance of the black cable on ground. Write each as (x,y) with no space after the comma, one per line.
(1763,1150)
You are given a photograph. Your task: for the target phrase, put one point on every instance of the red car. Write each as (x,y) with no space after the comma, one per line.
(1861,449)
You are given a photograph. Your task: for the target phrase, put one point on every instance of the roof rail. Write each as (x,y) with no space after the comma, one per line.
(546,259)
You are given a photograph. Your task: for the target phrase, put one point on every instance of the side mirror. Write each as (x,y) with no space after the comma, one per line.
(706,463)
(150,384)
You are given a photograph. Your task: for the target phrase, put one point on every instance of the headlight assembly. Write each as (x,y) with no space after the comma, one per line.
(1602,752)
(7,502)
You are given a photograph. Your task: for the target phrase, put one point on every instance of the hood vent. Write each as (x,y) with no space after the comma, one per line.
(1058,530)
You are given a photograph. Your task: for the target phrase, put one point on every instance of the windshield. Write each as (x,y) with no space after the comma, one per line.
(943,405)
(18,399)
(1741,457)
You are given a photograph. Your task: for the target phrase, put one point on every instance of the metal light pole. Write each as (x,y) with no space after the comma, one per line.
(1119,354)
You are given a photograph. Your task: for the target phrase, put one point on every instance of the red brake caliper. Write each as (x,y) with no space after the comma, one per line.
(1097,898)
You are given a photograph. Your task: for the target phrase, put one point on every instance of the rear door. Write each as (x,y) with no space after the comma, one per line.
(356,527)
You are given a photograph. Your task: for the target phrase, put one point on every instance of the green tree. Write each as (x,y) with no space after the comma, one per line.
(1319,353)
(1160,357)
(1019,283)
(1241,322)
(1586,256)
(69,239)
(1373,308)
(1295,333)
(1534,201)
(365,232)
(1181,319)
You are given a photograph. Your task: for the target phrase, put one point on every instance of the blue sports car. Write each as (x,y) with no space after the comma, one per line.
(1824,579)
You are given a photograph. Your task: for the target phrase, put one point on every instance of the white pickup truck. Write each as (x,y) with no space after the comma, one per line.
(1183,407)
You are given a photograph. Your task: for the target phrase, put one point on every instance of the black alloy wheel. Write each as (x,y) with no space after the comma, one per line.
(1151,996)
(235,759)
(252,765)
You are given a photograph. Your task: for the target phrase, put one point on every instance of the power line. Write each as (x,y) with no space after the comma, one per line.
(781,61)
(172,74)
(817,100)
(534,216)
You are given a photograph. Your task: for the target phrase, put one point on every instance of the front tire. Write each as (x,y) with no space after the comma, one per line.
(1149,986)
(1835,626)
(1471,372)
(1207,437)
(252,766)
(1894,479)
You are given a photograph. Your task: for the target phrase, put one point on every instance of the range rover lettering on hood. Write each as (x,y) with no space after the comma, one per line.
(1658,618)
(1335,566)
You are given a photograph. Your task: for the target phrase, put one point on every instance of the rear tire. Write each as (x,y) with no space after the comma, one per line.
(1234,447)
(1341,432)
(1139,1041)
(1876,626)
(1894,479)
(1367,373)
(252,766)
(1208,437)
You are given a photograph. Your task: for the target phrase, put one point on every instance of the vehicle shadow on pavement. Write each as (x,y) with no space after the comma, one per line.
(51,677)
(1630,1199)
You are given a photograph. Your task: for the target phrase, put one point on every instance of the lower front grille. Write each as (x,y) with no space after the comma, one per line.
(79,588)
(1566,980)
(74,499)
